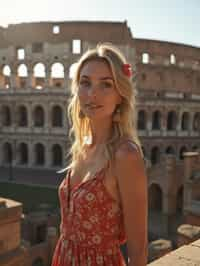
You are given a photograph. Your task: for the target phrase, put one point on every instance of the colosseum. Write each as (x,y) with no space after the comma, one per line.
(36,66)
(35,63)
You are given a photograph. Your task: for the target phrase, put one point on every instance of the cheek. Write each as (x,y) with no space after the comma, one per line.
(82,95)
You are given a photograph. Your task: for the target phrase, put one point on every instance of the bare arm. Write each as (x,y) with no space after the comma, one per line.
(132,181)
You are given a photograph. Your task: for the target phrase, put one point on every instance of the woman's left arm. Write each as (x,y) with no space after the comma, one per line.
(132,182)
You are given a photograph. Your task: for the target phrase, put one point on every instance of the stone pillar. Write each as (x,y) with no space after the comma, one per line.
(47,77)
(14,115)
(179,122)
(31,155)
(47,117)
(191,161)
(48,158)
(31,116)
(13,79)
(66,78)
(170,185)
(191,124)
(159,248)
(10,236)
(14,149)
(52,238)
(67,82)
(187,233)
(149,123)
(30,79)
(164,125)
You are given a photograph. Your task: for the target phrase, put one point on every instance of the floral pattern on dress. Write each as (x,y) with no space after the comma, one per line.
(91,229)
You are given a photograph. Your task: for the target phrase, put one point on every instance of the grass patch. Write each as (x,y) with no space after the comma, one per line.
(30,195)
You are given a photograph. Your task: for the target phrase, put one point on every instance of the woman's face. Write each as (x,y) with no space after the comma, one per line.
(97,93)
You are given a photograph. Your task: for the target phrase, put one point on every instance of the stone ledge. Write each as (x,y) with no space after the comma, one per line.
(187,255)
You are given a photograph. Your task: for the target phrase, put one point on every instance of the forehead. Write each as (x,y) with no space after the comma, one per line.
(96,68)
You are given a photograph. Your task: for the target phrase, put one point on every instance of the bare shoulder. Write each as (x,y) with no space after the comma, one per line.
(126,149)
(128,159)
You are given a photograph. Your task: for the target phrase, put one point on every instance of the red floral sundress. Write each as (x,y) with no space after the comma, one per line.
(91,229)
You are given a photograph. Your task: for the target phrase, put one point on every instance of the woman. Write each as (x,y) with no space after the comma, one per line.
(104,195)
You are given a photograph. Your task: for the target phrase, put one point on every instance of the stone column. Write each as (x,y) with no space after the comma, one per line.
(67,82)
(179,122)
(48,77)
(48,155)
(191,162)
(13,79)
(52,238)
(10,237)
(30,78)
(191,124)
(66,77)
(164,123)
(31,155)
(149,123)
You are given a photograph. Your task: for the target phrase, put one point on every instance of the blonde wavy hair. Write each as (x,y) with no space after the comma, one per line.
(126,128)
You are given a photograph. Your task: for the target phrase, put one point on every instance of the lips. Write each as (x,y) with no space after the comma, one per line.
(92,105)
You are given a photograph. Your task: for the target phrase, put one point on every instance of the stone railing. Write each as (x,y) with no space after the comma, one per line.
(183,256)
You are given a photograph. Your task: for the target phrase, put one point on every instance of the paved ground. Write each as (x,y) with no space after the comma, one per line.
(31,176)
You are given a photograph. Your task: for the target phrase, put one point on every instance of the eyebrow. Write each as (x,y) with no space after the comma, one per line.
(103,78)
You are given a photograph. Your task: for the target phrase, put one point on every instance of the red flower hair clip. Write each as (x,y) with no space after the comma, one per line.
(127,70)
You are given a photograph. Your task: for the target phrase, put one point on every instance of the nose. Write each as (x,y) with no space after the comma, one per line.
(93,91)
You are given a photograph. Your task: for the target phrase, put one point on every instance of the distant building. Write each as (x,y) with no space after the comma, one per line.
(35,64)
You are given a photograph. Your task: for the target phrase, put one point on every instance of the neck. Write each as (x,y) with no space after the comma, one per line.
(101,131)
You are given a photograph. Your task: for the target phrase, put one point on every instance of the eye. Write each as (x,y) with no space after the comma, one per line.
(84,83)
(106,84)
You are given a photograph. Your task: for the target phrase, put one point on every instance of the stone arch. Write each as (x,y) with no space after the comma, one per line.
(5,77)
(22,70)
(196,122)
(39,150)
(170,150)
(57,70)
(179,200)
(39,70)
(39,75)
(57,156)
(156,120)
(155,155)
(23,153)
(142,120)
(7,153)
(6,70)
(171,120)
(155,201)
(6,115)
(57,116)
(185,120)
(22,116)
(22,74)
(182,150)
(57,74)
(38,116)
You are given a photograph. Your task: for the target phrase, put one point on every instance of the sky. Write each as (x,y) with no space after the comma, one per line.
(172,20)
